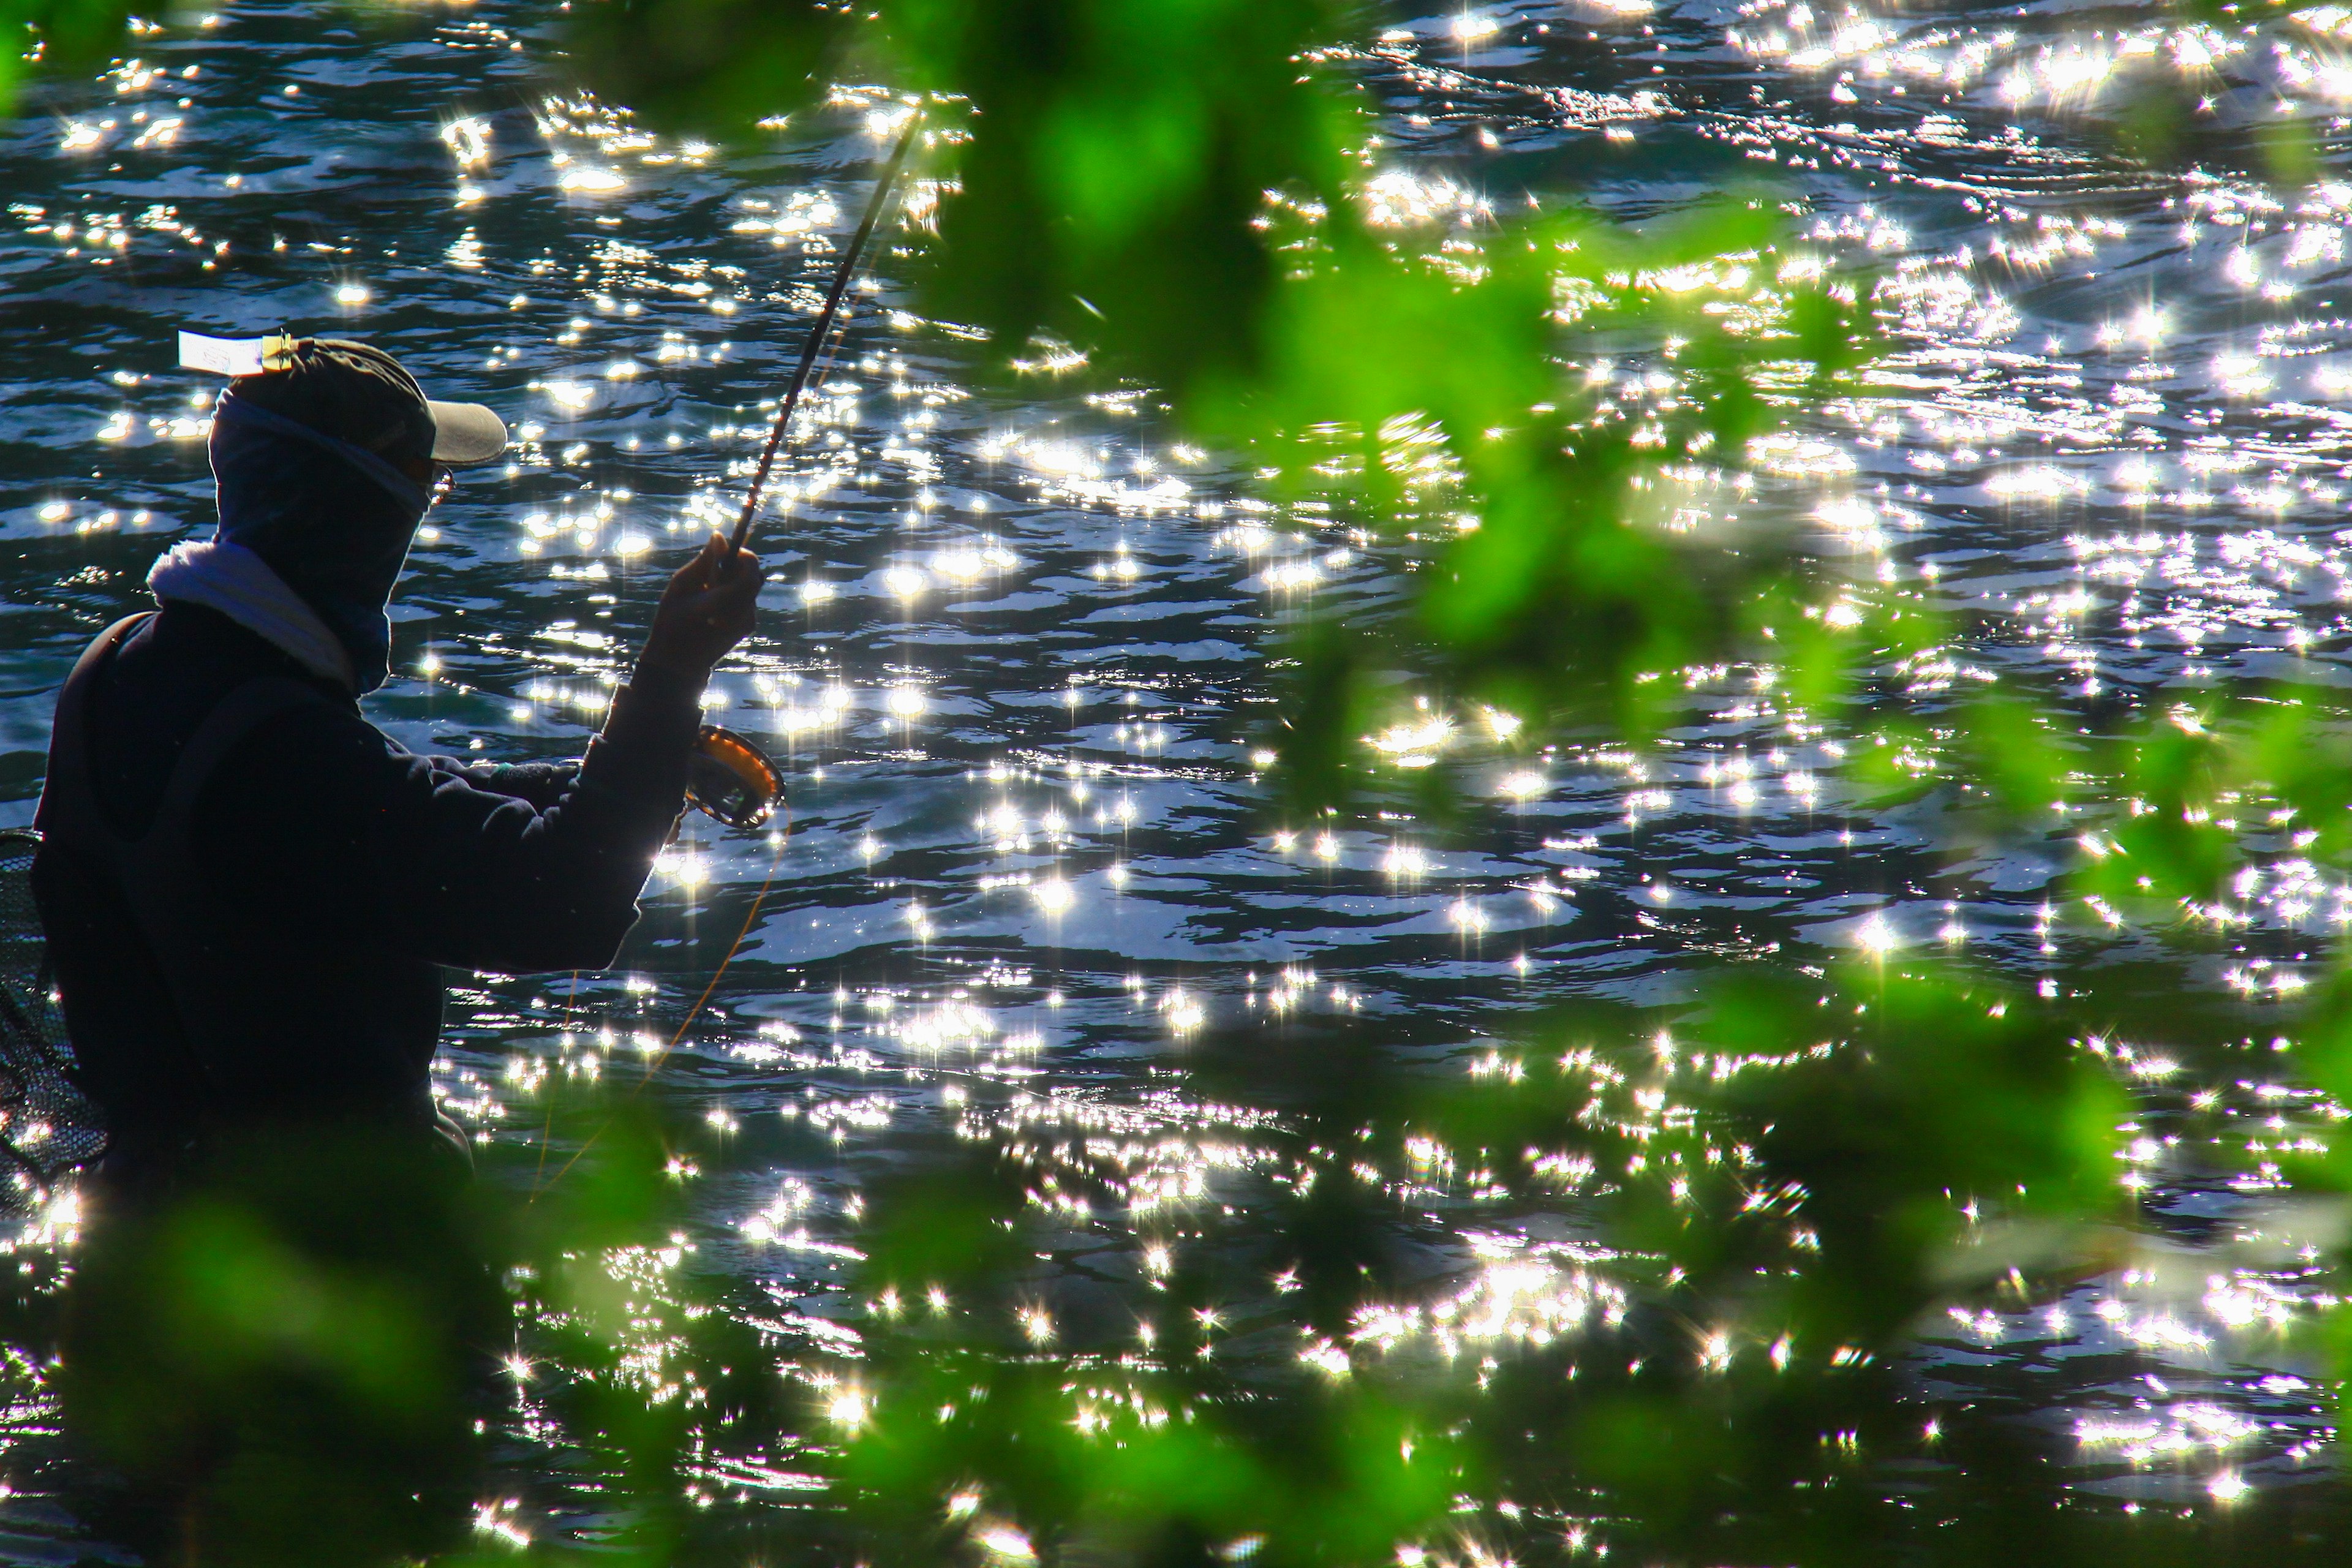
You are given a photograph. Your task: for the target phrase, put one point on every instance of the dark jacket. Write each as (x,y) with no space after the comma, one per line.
(322,877)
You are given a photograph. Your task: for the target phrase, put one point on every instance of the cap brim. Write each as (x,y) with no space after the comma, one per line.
(466,433)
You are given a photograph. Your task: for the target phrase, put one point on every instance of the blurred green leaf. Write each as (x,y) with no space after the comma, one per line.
(1944,1094)
(2010,751)
(721,66)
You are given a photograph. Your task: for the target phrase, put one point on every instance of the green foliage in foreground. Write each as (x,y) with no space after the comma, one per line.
(1785,1175)
(1793,1166)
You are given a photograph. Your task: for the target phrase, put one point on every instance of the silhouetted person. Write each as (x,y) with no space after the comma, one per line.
(251,894)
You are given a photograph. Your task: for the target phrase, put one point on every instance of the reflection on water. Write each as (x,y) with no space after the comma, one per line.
(1013,652)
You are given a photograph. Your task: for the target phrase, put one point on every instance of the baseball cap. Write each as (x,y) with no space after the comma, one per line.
(357,393)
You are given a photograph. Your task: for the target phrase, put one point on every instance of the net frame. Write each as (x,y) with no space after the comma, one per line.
(48,1126)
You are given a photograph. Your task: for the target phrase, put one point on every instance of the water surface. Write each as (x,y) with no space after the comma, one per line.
(1017,643)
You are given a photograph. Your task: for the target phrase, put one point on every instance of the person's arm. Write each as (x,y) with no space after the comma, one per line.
(321,815)
(534,783)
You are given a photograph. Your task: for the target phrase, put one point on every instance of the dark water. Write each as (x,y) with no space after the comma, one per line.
(1017,645)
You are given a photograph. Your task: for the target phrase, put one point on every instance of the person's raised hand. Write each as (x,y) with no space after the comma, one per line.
(706,610)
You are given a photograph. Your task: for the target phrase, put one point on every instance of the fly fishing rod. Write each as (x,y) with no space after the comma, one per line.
(823,328)
(728,777)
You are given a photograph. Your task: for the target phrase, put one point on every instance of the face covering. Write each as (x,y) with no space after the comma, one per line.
(334,520)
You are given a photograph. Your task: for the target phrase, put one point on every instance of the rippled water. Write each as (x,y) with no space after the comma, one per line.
(1017,645)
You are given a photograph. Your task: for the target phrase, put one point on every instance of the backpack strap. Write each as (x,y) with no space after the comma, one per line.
(232,718)
(69,792)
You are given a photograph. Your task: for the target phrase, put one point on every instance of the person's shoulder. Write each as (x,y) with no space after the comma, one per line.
(195,653)
(316,746)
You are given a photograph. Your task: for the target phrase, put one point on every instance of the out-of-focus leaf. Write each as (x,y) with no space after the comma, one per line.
(1832,332)
(2008,749)
(719,67)
(1330,712)
(953,1229)
(1120,159)
(2166,847)
(1935,1093)
(73,35)
(1897,762)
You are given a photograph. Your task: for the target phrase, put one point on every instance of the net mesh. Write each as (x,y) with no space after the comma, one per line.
(48,1126)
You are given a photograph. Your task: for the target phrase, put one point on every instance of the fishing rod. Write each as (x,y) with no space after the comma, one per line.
(841,276)
(728,777)
(731,778)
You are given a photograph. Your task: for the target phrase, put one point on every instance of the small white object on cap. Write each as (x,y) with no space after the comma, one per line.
(466,433)
(235,356)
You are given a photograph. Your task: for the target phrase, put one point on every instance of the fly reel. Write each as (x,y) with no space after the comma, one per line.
(732,781)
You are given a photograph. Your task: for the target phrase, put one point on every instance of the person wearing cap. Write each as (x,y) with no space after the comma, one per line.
(251,893)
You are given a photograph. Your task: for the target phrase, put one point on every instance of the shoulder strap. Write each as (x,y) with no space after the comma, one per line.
(232,718)
(68,772)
